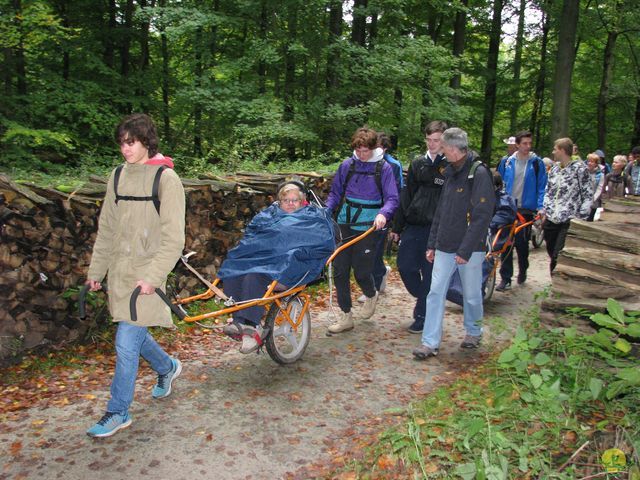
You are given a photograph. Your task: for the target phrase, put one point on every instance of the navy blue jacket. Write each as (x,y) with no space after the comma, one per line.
(288,247)
(464,212)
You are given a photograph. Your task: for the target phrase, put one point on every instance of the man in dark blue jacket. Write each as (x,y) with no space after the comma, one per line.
(525,178)
(457,240)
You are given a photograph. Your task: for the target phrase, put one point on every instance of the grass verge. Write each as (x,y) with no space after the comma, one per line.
(555,404)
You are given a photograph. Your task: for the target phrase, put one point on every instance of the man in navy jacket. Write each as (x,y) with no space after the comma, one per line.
(457,241)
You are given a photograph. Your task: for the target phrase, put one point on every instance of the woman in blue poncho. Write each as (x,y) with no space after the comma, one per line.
(288,242)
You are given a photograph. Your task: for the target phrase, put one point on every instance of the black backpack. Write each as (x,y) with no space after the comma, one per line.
(155,198)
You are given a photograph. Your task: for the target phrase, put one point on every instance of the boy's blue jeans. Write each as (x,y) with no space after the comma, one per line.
(131,343)
(471,275)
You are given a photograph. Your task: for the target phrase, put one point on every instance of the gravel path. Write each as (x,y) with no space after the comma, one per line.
(245,417)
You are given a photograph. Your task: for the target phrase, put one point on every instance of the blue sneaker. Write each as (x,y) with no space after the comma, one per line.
(109,424)
(163,386)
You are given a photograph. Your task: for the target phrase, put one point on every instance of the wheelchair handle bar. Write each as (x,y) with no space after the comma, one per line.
(134,298)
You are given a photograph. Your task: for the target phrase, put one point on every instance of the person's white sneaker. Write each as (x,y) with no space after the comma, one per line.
(383,284)
(369,307)
(342,324)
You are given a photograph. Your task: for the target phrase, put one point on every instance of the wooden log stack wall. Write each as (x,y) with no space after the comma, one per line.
(600,260)
(46,238)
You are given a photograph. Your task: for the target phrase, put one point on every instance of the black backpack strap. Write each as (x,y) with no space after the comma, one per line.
(116,179)
(378,178)
(155,190)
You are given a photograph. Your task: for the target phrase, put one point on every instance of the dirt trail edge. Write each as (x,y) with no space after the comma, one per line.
(248,418)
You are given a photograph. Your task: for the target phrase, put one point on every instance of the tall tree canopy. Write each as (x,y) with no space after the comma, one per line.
(285,80)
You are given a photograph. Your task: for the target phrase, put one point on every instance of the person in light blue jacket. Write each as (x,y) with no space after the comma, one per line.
(525,179)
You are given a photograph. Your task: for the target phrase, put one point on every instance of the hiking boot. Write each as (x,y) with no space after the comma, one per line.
(416,326)
(251,339)
(423,352)
(362,298)
(162,387)
(503,286)
(109,424)
(383,284)
(471,341)
(369,307)
(342,324)
(522,277)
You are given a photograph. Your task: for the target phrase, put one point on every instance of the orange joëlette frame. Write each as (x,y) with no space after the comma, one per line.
(514,228)
(269,296)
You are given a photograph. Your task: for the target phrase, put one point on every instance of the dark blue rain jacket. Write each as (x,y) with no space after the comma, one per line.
(288,247)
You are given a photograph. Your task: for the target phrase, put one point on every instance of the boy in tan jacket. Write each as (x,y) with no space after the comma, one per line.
(140,238)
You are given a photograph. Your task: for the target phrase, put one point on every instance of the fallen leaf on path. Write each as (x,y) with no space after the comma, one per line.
(15,448)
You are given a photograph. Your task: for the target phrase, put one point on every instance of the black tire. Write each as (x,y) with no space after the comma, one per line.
(490,284)
(537,235)
(284,344)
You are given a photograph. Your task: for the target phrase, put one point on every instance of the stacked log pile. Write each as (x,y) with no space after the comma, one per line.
(46,238)
(600,260)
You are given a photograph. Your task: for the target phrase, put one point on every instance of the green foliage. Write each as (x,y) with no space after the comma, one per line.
(526,412)
(226,100)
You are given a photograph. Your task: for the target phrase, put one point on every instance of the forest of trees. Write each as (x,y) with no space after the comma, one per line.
(279,81)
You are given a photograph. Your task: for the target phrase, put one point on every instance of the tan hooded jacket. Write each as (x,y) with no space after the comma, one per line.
(135,243)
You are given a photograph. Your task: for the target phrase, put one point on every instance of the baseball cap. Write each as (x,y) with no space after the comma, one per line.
(510,140)
(600,153)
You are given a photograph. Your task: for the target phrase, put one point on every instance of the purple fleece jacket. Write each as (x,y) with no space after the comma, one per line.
(364,187)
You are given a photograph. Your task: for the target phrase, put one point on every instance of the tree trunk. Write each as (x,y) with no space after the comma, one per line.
(425,98)
(18,52)
(603,95)
(635,139)
(359,25)
(144,37)
(565,59)
(164,49)
(459,37)
(262,65)
(397,116)
(6,69)
(517,66)
(197,107)
(125,48)
(62,10)
(290,76)
(332,81)
(109,43)
(491,85)
(538,97)
(333,52)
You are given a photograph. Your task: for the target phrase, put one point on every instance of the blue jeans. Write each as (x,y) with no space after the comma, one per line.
(471,275)
(131,343)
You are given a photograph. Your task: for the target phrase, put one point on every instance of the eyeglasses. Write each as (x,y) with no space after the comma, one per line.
(290,201)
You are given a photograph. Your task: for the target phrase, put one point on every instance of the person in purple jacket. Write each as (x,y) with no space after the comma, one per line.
(363,193)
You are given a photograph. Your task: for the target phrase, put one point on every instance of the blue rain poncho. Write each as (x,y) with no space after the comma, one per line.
(291,248)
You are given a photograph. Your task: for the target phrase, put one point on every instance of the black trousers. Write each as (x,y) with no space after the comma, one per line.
(521,246)
(555,235)
(413,266)
(247,287)
(360,257)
